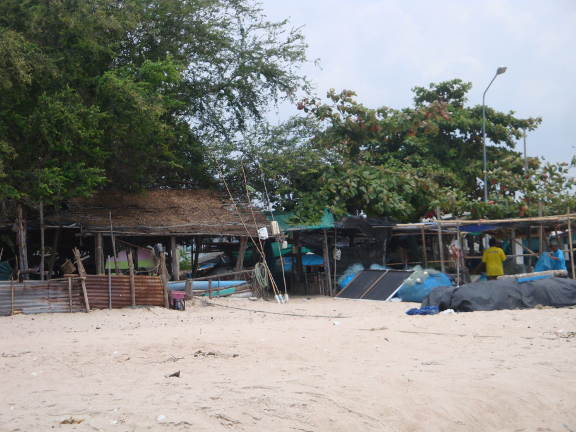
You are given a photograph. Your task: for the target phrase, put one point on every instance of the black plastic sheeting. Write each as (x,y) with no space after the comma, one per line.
(504,294)
(361,282)
(387,286)
(374,284)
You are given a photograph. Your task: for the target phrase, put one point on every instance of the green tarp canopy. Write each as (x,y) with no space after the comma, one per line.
(5,270)
(327,221)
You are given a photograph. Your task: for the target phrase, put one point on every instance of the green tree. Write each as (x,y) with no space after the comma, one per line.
(127,94)
(403,163)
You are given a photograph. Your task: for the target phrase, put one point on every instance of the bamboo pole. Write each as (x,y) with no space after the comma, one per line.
(132,282)
(482,221)
(440,244)
(540,230)
(12,296)
(424,256)
(41,241)
(571,249)
(113,246)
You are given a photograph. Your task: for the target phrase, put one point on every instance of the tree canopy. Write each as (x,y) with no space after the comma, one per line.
(404,163)
(126,94)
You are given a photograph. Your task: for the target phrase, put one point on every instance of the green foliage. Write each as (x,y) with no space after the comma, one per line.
(283,159)
(127,94)
(404,163)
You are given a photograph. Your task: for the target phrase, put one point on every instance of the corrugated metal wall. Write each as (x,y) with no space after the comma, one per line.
(41,297)
(149,291)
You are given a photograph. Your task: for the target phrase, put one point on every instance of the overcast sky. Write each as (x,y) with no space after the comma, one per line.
(383,48)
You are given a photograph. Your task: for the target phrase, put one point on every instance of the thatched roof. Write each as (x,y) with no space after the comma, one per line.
(163,212)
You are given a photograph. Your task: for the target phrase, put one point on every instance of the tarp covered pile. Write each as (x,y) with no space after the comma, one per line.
(504,294)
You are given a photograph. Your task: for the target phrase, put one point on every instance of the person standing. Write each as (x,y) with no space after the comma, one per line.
(493,257)
(558,256)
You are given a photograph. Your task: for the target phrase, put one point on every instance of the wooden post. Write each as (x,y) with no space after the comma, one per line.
(175,257)
(458,258)
(164,278)
(571,250)
(70,292)
(54,251)
(23,250)
(463,262)
(440,245)
(12,296)
(540,231)
(41,241)
(114,246)
(109,284)
(327,264)
(99,256)
(132,283)
(210,289)
(241,254)
(424,257)
(82,278)
(198,243)
(335,261)
(530,244)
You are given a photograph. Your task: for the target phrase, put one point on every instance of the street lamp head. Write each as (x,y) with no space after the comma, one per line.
(501,70)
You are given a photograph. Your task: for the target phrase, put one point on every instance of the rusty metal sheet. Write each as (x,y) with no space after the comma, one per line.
(40,297)
(149,291)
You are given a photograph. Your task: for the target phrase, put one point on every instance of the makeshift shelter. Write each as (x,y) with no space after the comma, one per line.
(112,223)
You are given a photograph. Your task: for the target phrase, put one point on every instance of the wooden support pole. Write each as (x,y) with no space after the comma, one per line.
(113,246)
(571,249)
(424,257)
(335,260)
(54,251)
(327,264)
(458,257)
(529,244)
(98,254)
(41,241)
(241,254)
(440,244)
(22,248)
(12,296)
(82,278)
(164,278)
(198,243)
(70,292)
(109,285)
(175,257)
(540,231)
(132,282)
(210,289)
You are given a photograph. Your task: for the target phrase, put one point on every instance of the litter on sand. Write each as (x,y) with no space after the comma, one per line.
(426,310)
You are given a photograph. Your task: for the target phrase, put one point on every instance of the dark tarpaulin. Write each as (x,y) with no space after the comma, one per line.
(504,294)
(366,226)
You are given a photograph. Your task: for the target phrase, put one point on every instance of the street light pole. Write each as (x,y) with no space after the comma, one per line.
(525,158)
(499,71)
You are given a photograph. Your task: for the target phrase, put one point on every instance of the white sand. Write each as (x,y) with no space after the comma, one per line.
(291,373)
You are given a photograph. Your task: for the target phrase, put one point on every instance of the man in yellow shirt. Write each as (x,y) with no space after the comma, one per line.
(493,257)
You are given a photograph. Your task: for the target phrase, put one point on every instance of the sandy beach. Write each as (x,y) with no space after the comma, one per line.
(358,366)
